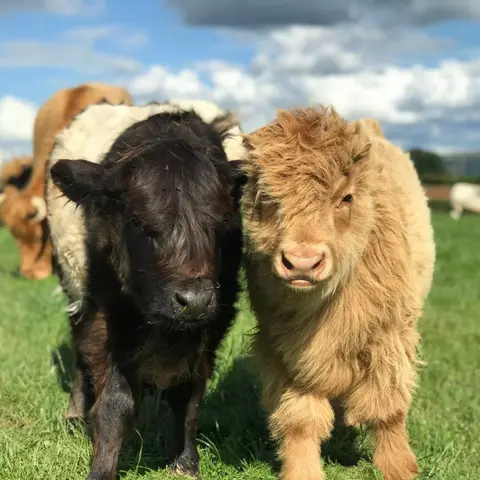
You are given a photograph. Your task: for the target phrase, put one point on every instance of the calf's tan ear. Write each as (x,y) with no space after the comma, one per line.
(361,135)
(40,209)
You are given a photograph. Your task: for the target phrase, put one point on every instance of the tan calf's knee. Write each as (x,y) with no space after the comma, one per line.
(372,402)
(299,423)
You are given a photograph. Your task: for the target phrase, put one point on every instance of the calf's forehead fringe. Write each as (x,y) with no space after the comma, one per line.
(313,144)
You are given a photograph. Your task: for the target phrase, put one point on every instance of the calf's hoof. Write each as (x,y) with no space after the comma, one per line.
(403,467)
(75,410)
(297,477)
(101,476)
(185,467)
(303,472)
(73,415)
(32,274)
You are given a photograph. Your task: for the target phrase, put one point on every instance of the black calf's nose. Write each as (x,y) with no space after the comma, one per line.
(194,301)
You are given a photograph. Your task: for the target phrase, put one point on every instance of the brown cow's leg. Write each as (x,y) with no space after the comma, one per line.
(184,400)
(113,416)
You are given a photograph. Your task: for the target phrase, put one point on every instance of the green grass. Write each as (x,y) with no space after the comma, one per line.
(35,371)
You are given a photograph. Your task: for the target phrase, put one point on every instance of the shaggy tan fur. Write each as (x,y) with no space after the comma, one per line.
(24,211)
(352,336)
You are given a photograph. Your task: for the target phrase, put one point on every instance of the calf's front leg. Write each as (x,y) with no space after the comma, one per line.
(113,415)
(299,422)
(81,396)
(393,455)
(384,409)
(184,400)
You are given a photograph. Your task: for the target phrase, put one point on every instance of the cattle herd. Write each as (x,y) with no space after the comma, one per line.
(147,213)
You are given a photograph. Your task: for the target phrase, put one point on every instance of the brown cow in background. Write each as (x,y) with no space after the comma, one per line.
(16,172)
(24,211)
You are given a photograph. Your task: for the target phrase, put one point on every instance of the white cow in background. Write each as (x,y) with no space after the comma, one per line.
(464,196)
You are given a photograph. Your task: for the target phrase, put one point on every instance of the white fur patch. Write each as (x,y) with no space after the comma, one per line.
(208,111)
(90,136)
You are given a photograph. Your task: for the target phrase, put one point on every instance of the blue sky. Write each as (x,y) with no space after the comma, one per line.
(413,66)
(168,41)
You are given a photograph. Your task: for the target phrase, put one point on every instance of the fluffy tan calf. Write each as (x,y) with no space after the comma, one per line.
(340,259)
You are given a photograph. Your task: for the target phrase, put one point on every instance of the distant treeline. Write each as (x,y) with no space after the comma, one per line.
(431,169)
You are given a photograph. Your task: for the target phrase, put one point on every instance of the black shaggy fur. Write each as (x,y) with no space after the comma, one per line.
(164,227)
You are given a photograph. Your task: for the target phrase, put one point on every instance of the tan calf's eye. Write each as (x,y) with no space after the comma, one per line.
(347,199)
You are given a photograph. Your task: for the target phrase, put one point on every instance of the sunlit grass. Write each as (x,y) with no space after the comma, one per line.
(35,374)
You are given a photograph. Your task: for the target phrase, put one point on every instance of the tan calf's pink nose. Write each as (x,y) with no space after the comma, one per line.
(302,261)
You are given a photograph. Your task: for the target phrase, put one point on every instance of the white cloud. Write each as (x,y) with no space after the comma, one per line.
(116,34)
(17,117)
(327,50)
(393,71)
(228,85)
(158,83)
(78,57)
(76,50)
(63,7)
(455,85)
(417,105)
(367,58)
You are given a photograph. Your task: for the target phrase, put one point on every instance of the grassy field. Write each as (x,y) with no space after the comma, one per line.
(35,361)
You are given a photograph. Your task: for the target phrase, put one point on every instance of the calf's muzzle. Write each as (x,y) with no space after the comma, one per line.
(193,297)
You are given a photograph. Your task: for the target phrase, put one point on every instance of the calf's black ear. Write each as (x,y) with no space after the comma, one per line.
(79,179)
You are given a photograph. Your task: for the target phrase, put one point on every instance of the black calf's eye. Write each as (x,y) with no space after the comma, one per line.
(347,198)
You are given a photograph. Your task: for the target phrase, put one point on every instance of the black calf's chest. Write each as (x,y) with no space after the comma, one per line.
(167,363)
